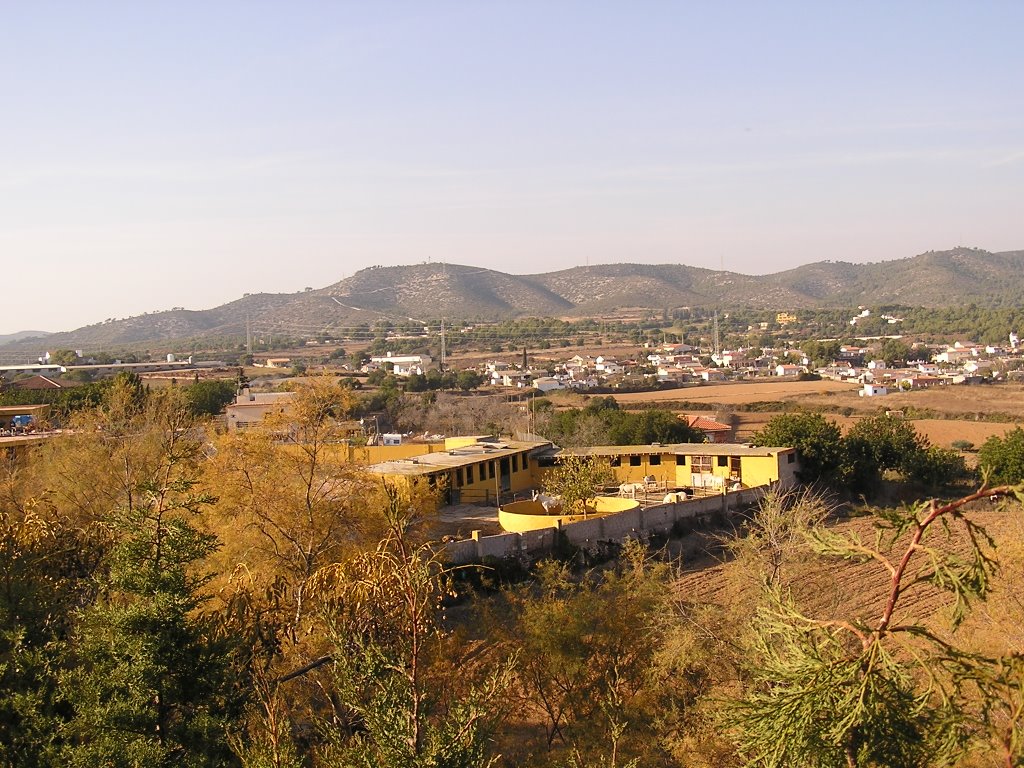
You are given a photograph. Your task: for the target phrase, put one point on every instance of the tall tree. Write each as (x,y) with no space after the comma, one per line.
(292,500)
(149,683)
(1003,457)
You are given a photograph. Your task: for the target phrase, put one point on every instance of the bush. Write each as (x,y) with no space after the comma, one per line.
(1003,457)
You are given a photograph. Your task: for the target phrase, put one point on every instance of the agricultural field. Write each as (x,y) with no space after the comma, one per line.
(846,590)
(972,413)
(743,392)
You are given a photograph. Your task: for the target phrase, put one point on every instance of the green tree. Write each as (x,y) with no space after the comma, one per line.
(880,444)
(64,357)
(416,382)
(1003,457)
(467,380)
(208,398)
(818,352)
(576,480)
(150,683)
(895,351)
(817,440)
(649,426)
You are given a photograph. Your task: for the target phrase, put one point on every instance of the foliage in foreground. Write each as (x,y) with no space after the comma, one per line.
(857,692)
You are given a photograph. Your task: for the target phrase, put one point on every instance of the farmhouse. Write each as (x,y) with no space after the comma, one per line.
(485,469)
(403,365)
(250,408)
(693,465)
(469,469)
(714,431)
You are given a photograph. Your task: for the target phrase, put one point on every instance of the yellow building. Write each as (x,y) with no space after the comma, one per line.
(468,469)
(694,465)
(785,318)
(478,469)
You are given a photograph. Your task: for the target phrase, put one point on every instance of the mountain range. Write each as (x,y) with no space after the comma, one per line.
(426,292)
(8,338)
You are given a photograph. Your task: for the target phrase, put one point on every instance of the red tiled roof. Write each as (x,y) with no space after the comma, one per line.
(37,382)
(704,424)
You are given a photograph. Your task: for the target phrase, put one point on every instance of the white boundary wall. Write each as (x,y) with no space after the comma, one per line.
(592,534)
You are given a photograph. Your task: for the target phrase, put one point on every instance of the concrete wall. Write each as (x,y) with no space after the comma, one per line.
(594,534)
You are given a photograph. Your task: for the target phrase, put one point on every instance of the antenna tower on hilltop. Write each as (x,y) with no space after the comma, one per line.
(442,345)
(718,348)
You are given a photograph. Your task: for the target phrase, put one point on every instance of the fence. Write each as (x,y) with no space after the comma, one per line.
(600,531)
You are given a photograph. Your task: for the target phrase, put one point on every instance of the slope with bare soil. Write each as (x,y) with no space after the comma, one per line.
(835,589)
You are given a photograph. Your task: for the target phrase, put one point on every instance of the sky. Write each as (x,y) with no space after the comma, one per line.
(159,154)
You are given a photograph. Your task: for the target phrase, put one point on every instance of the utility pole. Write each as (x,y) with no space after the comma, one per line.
(717,346)
(248,335)
(442,345)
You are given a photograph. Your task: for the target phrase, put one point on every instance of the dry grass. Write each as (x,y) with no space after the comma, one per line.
(966,407)
(828,588)
(743,392)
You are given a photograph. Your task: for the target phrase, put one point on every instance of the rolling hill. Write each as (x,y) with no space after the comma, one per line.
(426,292)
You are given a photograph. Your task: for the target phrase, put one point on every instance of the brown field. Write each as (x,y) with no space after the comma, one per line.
(964,407)
(846,589)
(743,392)
(1006,398)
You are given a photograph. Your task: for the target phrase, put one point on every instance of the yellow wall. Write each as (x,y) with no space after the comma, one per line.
(19,448)
(474,488)
(519,516)
(678,470)
(453,443)
(375,454)
(753,470)
(664,472)
(479,487)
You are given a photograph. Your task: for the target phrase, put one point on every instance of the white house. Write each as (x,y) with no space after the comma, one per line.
(404,365)
(784,369)
(548,383)
(874,390)
(518,379)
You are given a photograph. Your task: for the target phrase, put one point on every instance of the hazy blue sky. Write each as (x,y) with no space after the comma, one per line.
(180,154)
